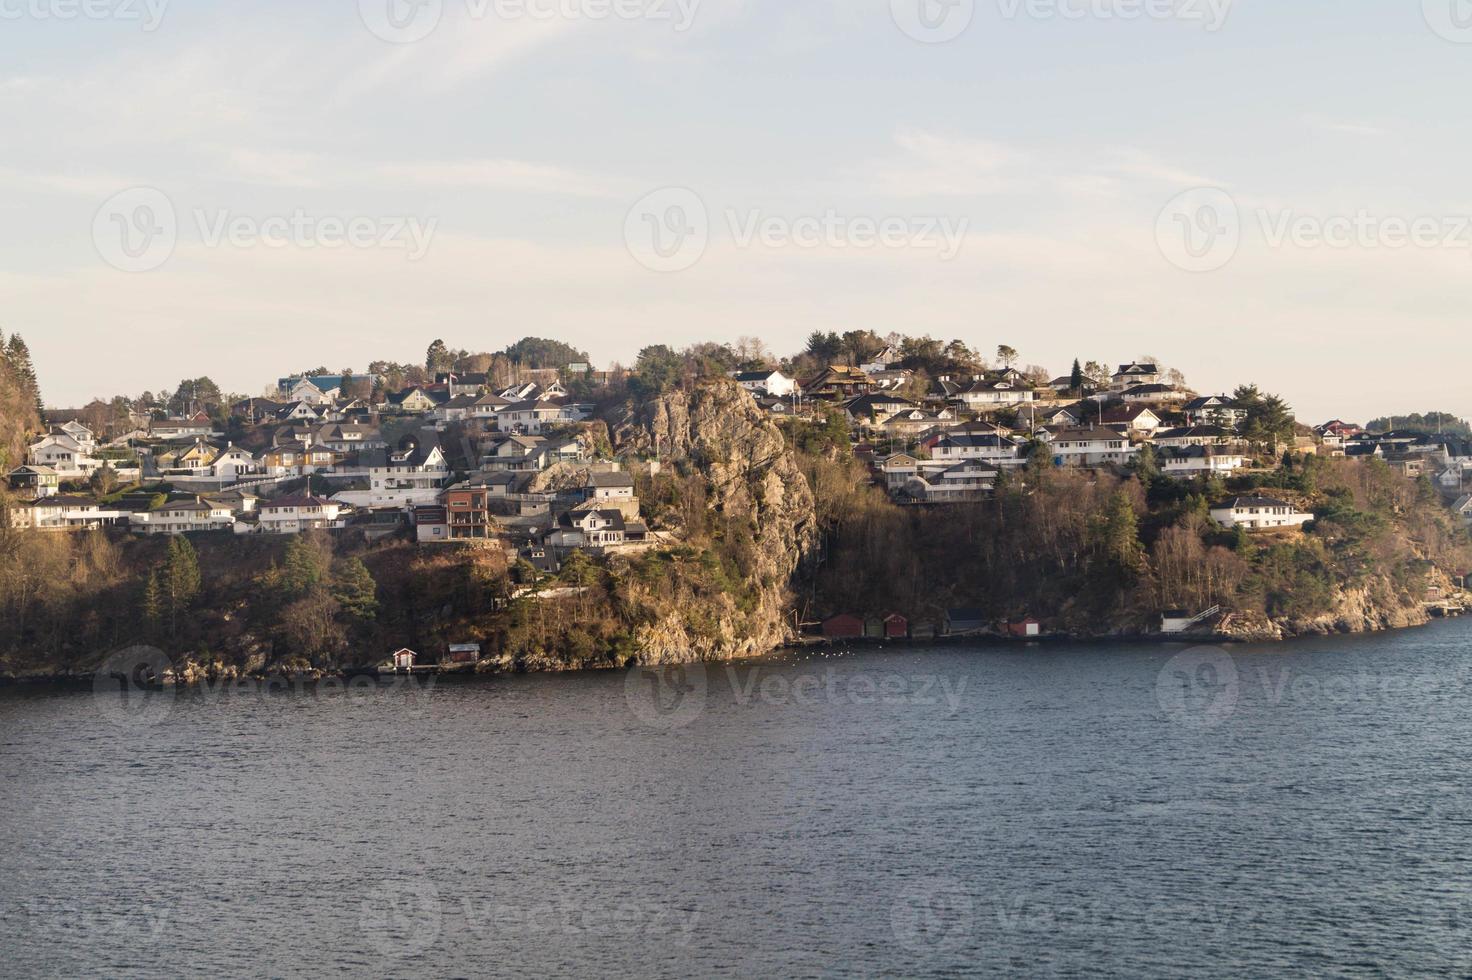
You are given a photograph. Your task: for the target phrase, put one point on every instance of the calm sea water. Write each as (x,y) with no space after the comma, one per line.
(1125,810)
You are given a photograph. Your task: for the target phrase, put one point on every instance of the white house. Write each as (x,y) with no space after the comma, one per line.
(968,480)
(1196,435)
(1259,513)
(63,454)
(184,515)
(1193,461)
(982,394)
(773,383)
(955,447)
(412,474)
(1136,373)
(292,515)
(609,486)
(1088,447)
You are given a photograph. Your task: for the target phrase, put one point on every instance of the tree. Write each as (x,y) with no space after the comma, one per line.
(355,590)
(304,568)
(1117,534)
(181,580)
(825,347)
(437,359)
(19,357)
(104,480)
(1144,464)
(1076,379)
(153,601)
(656,372)
(1007,355)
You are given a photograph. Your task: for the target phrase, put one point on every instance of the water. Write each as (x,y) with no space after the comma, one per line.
(1123,810)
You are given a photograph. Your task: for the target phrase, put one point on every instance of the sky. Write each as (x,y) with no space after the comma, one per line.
(1251,191)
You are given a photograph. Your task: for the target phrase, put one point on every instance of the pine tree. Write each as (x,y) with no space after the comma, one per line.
(153,601)
(355,590)
(303,570)
(19,356)
(181,579)
(1076,379)
(437,358)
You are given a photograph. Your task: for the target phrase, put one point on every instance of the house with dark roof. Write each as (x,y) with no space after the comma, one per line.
(1258,514)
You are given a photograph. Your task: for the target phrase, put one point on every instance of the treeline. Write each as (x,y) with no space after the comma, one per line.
(1097,554)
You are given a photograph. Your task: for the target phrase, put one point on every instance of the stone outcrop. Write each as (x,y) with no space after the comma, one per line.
(716,430)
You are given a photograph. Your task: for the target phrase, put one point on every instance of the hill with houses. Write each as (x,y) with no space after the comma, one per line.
(552,515)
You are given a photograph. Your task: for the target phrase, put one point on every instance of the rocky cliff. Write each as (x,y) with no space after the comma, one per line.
(759,512)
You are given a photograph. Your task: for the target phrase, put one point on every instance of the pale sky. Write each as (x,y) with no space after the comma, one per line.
(1025,159)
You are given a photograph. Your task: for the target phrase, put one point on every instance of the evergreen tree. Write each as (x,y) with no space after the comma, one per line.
(153,601)
(1076,379)
(19,357)
(181,580)
(355,590)
(437,359)
(304,568)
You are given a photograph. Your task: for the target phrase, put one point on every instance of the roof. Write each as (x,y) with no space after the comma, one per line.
(1238,502)
(65,502)
(618,479)
(298,501)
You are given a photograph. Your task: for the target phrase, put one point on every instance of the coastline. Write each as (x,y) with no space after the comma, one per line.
(200,677)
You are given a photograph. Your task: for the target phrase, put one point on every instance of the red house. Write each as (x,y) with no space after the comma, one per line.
(1025,627)
(843,627)
(896,627)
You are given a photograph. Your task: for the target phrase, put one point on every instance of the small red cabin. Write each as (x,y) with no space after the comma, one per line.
(896,627)
(1025,627)
(843,627)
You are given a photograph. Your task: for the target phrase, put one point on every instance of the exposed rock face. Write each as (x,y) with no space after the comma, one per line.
(756,484)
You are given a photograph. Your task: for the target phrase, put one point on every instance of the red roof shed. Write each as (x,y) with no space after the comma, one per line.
(843,627)
(896,627)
